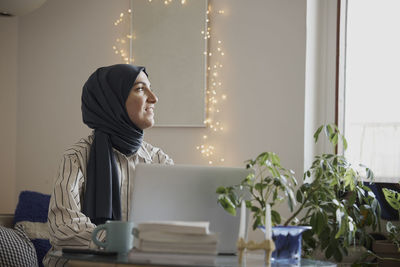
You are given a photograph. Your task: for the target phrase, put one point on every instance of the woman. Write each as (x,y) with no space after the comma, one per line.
(94,180)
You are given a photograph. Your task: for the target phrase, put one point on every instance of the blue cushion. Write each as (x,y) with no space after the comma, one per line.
(33,207)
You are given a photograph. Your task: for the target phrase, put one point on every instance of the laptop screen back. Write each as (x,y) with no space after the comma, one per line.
(186,193)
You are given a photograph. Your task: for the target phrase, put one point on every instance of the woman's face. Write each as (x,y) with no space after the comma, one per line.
(140,102)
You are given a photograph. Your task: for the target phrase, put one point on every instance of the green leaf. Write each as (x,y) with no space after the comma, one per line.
(313,221)
(335,139)
(320,223)
(344,143)
(275,159)
(275,217)
(258,187)
(255,209)
(299,196)
(342,229)
(392,197)
(328,130)
(316,134)
(257,222)
(221,190)
(338,254)
(227,204)
(330,250)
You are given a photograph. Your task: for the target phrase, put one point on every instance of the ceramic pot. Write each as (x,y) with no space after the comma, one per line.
(287,241)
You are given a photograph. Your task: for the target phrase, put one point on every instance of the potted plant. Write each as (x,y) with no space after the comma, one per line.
(388,251)
(332,199)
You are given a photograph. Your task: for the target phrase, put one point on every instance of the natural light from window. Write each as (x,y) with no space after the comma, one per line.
(372,86)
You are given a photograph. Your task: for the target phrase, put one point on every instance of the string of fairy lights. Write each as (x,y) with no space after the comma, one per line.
(214,97)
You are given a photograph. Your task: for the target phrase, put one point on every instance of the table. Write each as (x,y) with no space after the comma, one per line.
(252,260)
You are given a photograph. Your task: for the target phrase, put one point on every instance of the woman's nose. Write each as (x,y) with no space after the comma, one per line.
(152,98)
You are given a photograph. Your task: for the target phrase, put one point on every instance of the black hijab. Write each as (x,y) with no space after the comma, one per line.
(103,109)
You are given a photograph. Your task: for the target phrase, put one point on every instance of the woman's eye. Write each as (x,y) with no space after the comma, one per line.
(139,89)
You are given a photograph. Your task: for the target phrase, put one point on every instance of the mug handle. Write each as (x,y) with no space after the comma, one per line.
(94,236)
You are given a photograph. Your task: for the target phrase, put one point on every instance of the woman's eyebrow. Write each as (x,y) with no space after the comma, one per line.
(136,83)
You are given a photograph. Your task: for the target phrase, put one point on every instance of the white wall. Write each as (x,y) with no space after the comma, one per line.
(320,74)
(8,111)
(61,43)
(263,78)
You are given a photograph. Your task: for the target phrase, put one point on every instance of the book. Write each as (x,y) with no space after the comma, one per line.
(182,227)
(175,259)
(183,237)
(176,247)
(159,236)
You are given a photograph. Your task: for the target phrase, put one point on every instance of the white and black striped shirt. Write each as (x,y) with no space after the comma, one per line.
(68,226)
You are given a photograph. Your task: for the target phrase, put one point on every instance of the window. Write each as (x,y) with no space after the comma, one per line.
(370,111)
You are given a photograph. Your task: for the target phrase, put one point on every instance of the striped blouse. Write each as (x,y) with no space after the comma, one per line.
(68,226)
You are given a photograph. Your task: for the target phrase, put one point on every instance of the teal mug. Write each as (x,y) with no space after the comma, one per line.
(119,236)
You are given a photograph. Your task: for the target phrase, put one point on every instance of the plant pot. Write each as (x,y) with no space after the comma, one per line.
(386,249)
(287,243)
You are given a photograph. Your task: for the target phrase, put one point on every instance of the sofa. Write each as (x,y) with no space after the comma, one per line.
(23,235)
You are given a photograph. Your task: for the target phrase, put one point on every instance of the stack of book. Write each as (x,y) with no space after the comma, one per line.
(174,242)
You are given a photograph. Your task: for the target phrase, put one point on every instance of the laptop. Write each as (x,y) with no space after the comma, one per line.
(186,193)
